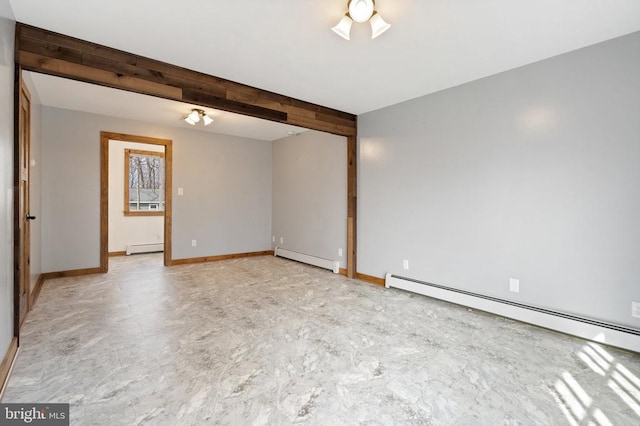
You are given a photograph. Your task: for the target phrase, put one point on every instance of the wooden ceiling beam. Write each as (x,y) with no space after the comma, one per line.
(56,54)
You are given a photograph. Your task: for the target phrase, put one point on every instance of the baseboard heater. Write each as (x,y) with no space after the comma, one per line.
(144,248)
(586,328)
(332,265)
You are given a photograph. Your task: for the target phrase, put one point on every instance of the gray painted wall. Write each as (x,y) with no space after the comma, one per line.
(35,183)
(7,27)
(226,204)
(310,194)
(531,174)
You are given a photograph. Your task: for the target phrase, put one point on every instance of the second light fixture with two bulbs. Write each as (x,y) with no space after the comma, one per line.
(195,115)
(361,11)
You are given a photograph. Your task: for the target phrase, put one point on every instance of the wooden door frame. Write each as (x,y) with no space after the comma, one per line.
(105,138)
(18,274)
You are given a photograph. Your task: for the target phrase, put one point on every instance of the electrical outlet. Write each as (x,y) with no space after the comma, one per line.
(635,309)
(193,243)
(180,191)
(514,285)
(405,264)
(281,240)
(339,252)
(273,238)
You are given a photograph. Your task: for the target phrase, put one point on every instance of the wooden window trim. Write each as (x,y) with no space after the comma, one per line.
(127,156)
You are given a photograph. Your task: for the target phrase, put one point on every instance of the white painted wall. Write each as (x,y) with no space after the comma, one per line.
(310,194)
(125,230)
(35,183)
(7,28)
(532,174)
(226,204)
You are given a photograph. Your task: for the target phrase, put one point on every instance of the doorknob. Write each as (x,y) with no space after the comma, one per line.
(29,217)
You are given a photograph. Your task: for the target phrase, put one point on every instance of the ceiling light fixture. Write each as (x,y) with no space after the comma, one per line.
(361,11)
(195,115)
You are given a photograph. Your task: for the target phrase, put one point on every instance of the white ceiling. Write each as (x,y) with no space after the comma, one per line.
(286,46)
(74,95)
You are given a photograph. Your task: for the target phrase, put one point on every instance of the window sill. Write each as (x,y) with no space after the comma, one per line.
(144,213)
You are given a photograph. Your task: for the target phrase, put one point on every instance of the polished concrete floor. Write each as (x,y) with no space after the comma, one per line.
(267,341)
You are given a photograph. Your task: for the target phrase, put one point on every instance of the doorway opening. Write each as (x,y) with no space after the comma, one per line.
(135,196)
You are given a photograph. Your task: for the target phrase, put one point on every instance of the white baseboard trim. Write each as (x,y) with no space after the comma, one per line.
(586,328)
(332,265)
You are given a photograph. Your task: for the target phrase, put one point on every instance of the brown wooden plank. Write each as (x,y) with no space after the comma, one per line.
(121,68)
(258,95)
(168,202)
(151,75)
(7,361)
(253,99)
(104,58)
(303,121)
(288,104)
(352,204)
(36,291)
(370,279)
(335,120)
(27,32)
(178,73)
(336,129)
(142,213)
(301,112)
(39,63)
(304,117)
(71,273)
(17,167)
(115,136)
(233,106)
(322,110)
(104,202)
(243,93)
(347,131)
(51,50)
(192,260)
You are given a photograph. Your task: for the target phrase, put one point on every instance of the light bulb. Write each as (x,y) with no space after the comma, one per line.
(361,10)
(194,116)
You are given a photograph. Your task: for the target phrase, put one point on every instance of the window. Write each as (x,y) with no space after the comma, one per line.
(143,183)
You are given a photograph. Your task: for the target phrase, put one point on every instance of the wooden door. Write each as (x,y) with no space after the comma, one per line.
(24,251)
